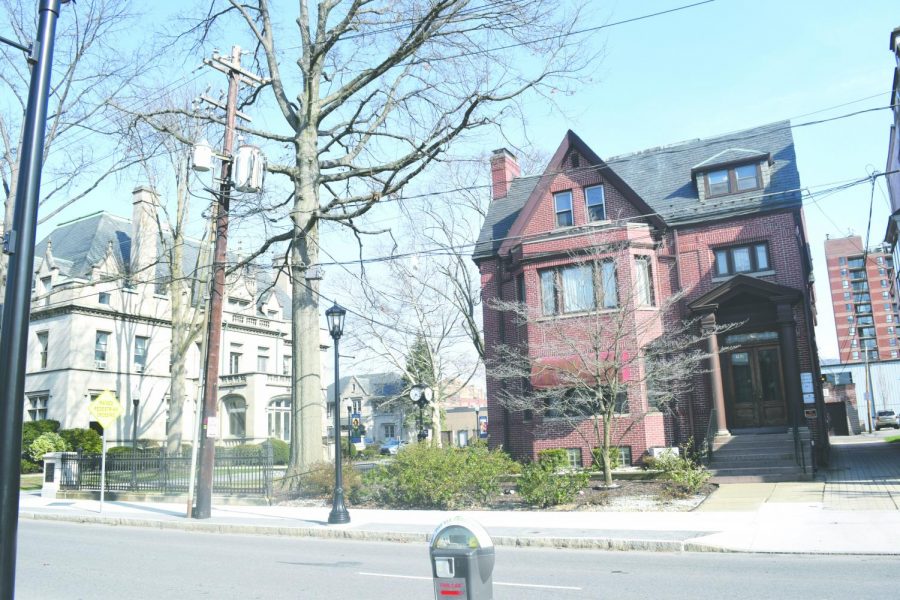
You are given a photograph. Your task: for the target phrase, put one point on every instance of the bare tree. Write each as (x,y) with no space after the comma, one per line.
(371,92)
(88,72)
(619,354)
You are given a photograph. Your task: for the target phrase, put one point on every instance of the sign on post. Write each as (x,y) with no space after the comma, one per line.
(107,409)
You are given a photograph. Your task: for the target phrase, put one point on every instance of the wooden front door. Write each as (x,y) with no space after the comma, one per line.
(754,387)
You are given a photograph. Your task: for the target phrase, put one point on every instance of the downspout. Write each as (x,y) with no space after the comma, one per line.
(825,449)
(690,403)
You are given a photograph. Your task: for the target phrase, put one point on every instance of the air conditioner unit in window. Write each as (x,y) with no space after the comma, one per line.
(657,452)
(100,364)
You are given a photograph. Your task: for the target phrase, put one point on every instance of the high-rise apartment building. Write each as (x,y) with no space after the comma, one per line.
(865,309)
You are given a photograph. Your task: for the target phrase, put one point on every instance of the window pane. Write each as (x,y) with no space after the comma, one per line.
(596,203)
(746,177)
(721,262)
(578,288)
(548,293)
(762,258)
(610,290)
(563,204)
(642,281)
(741,257)
(718,182)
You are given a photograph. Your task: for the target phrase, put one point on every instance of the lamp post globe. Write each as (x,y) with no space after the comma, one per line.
(338,515)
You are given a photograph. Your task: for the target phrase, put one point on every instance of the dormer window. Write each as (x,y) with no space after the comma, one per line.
(562,202)
(742,178)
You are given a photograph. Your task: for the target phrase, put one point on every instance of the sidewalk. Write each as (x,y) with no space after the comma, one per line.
(852,510)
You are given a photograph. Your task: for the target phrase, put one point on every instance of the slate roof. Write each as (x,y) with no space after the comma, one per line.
(662,177)
(378,385)
(80,244)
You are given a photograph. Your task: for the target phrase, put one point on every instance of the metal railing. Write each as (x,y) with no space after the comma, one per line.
(709,437)
(799,452)
(236,472)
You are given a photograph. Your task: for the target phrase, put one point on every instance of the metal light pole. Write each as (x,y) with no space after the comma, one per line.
(18,243)
(134,423)
(335,317)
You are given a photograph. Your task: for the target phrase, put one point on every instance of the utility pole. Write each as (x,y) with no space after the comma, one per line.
(870,400)
(18,243)
(210,422)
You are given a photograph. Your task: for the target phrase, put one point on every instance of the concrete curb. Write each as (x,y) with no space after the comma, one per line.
(338,533)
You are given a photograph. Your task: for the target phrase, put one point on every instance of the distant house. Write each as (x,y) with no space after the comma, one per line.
(379,399)
(720,219)
(101,320)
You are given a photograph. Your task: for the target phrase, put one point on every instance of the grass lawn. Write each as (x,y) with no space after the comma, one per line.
(31,481)
(892,439)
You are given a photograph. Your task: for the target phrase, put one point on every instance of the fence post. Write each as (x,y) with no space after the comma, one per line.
(267,469)
(164,469)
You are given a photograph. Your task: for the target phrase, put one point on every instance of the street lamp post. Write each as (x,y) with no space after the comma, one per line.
(134,423)
(335,317)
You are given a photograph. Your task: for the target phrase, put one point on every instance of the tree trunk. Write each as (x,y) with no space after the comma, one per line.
(607,434)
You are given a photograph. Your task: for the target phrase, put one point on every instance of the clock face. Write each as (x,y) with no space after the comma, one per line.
(415,394)
(429,393)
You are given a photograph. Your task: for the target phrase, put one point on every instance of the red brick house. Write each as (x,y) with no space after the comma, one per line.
(720,219)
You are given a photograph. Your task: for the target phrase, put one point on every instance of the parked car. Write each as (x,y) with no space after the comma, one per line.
(392,446)
(886,418)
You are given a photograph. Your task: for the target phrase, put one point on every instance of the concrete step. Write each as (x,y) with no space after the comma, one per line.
(756,470)
(778,454)
(760,478)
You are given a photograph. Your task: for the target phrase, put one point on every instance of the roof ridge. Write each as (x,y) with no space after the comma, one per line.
(91,215)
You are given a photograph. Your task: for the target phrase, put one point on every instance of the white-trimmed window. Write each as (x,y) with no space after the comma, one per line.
(236,407)
(286,364)
(279,412)
(643,281)
(562,204)
(595,199)
(574,457)
(234,363)
(36,406)
(103,298)
(101,341)
(855,355)
(572,288)
(43,338)
(141,345)
(262,359)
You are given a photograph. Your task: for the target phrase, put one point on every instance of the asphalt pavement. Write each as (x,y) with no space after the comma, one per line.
(850,509)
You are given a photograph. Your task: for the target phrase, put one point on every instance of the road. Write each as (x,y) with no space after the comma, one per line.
(72,561)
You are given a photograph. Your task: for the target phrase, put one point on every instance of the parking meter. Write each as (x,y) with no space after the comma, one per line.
(462,560)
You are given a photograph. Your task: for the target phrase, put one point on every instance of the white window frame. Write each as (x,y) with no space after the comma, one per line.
(557,211)
(594,203)
(37,405)
(101,349)
(43,338)
(140,358)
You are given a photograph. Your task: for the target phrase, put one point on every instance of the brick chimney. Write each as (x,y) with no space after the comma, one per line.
(144,233)
(504,168)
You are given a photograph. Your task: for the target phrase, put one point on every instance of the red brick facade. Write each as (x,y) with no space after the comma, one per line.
(682,258)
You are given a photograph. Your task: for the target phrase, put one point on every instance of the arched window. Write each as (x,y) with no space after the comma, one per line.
(236,407)
(279,413)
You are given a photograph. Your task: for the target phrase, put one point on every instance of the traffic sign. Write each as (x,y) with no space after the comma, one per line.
(106,408)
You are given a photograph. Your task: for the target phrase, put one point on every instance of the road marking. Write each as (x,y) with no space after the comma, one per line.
(527,585)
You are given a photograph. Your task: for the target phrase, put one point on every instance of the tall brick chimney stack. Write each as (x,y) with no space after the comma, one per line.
(504,168)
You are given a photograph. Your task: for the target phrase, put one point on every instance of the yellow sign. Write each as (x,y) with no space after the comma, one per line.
(106,408)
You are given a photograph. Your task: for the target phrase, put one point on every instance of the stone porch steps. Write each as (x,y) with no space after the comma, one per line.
(757,457)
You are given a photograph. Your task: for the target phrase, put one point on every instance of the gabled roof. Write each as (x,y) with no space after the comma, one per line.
(80,244)
(375,385)
(662,179)
(744,285)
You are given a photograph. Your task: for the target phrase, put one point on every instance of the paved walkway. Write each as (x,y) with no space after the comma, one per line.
(852,509)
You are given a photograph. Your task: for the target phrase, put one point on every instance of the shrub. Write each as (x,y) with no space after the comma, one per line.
(558,458)
(427,477)
(126,451)
(46,442)
(615,458)
(281,451)
(319,481)
(28,466)
(371,451)
(686,477)
(541,485)
(31,430)
(242,450)
(88,440)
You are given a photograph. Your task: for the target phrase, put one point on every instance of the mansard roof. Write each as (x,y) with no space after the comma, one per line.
(662,179)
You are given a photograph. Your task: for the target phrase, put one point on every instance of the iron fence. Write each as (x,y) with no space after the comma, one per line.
(237,471)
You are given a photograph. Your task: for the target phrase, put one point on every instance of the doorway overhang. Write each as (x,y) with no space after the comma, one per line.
(744,286)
